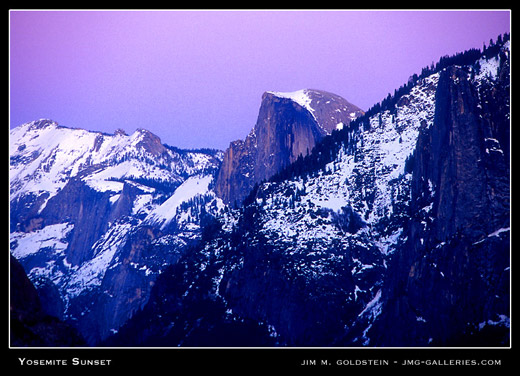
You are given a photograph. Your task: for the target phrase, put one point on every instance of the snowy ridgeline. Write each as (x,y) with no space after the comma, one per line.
(189,189)
(368,180)
(45,157)
(381,153)
(323,221)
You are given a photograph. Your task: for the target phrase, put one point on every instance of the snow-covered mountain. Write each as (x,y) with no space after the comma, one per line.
(313,249)
(85,204)
(393,230)
(45,156)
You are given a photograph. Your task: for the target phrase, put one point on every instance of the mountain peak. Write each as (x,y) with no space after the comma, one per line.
(148,141)
(41,123)
(289,124)
(330,111)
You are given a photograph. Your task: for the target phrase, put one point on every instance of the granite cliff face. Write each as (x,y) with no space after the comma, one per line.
(451,282)
(288,125)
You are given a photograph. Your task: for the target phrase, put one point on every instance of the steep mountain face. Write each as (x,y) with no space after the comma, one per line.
(451,280)
(289,124)
(96,217)
(400,237)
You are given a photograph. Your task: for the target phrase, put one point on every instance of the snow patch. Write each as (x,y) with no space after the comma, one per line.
(193,186)
(300,96)
(50,237)
(91,273)
(488,69)
(373,308)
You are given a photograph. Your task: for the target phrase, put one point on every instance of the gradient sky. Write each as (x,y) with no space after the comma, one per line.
(196,78)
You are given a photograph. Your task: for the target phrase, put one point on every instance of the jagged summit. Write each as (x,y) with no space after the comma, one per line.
(148,141)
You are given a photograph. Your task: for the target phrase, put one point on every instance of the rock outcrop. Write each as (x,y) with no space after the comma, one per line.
(30,323)
(288,125)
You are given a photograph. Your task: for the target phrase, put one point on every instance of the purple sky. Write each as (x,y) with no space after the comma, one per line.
(195,78)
